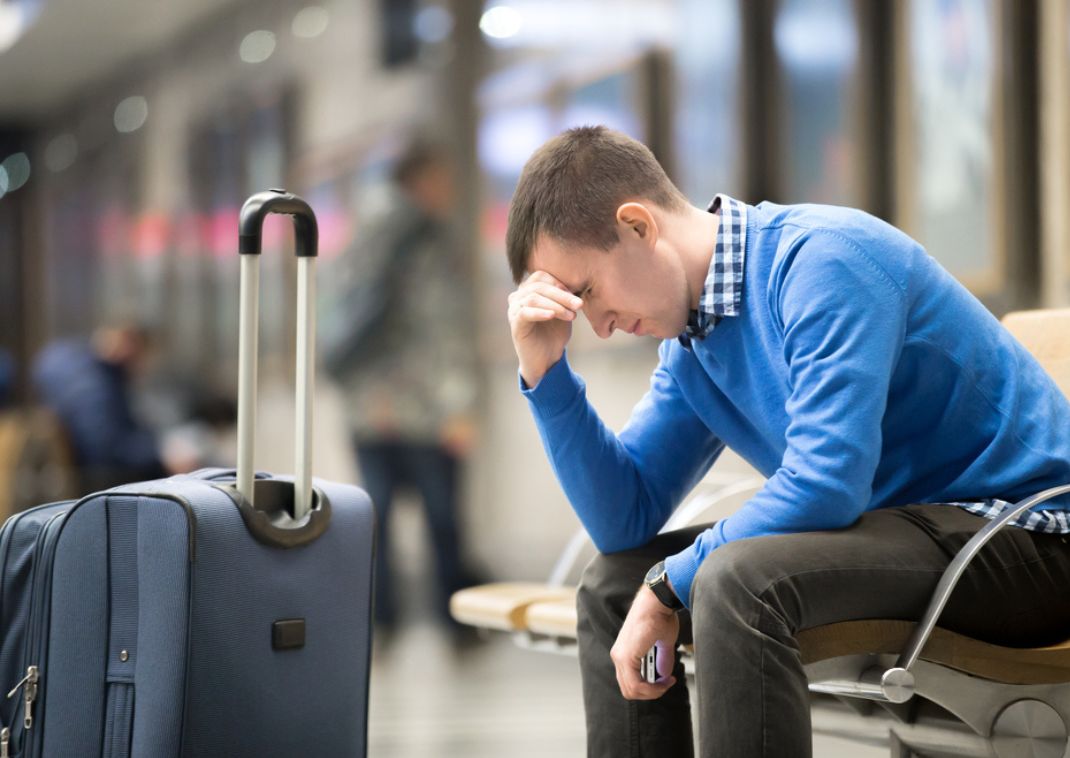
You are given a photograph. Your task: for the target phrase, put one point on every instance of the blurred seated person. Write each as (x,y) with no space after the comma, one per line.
(87,384)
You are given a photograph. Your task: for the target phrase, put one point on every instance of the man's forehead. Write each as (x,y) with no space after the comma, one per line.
(570,266)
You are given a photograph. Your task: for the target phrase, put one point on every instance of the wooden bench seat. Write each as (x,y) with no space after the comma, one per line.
(503,605)
(1036,665)
(554,618)
(551,611)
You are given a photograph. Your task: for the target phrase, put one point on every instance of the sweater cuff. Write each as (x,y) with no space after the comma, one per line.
(555,391)
(681,569)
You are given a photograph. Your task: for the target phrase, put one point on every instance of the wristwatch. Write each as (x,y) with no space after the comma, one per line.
(658,582)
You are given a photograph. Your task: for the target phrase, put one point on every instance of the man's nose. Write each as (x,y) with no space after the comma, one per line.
(602,323)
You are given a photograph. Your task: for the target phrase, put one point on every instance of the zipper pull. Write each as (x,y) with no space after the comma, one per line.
(29,694)
(21,682)
(5,742)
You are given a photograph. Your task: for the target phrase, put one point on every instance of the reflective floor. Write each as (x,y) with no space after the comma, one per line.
(496,701)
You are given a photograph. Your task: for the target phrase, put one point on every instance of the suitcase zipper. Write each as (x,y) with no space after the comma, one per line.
(7,736)
(29,694)
(37,632)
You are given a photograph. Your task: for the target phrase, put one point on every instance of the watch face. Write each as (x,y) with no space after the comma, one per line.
(655,571)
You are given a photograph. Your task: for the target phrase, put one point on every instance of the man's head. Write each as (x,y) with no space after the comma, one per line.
(424,172)
(587,210)
(125,344)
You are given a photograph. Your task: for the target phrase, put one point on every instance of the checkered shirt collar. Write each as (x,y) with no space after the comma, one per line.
(723,289)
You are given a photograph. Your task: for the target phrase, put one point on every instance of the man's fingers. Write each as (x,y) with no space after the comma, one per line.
(553,288)
(533,313)
(632,686)
(537,300)
(560,295)
(533,301)
(556,294)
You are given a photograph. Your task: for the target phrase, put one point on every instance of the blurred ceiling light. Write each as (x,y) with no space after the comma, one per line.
(16,16)
(61,153)
(501,22)
(3,181)
(819,38)
(131,114)
(310,22)
(508,137)
(433,24)
(257,46)
(581,25)
(17,170)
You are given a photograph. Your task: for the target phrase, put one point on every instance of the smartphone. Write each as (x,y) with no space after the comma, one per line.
(648,665)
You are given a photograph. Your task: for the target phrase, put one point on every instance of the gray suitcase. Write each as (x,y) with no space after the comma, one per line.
(215,614)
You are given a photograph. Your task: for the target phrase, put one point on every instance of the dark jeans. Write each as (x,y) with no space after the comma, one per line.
(751,597)
(433,472)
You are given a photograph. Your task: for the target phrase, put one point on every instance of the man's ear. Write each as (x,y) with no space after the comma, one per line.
(637,222)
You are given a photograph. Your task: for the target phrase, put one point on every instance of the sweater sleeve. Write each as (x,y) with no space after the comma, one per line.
(843,319)
(624,487)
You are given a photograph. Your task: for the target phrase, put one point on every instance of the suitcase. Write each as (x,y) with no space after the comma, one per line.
(213,614)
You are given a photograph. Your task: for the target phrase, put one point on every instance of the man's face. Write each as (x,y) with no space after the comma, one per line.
(637,287)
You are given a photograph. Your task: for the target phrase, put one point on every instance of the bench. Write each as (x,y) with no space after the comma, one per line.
(926,691)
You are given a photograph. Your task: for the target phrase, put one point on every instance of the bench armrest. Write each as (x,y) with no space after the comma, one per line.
(958,565)
(896,684)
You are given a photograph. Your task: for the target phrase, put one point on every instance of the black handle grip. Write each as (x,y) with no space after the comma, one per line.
(271,521)
(256,209)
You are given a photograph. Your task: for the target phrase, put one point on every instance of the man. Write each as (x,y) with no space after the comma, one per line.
(86,384)
(407,367)
(889,410)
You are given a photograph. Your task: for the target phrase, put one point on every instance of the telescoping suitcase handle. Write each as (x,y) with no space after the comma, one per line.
(250,231)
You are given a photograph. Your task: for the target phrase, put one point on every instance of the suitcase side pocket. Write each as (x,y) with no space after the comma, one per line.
(119,720)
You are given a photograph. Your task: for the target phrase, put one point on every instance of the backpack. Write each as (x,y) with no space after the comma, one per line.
(36,465)
(358,312)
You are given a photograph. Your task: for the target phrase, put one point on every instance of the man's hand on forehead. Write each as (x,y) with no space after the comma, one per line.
(545,293)
(541,312)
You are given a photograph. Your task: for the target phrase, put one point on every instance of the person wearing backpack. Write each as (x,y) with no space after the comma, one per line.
(400,343)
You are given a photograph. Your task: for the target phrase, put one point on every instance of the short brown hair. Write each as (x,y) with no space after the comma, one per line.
(571,187)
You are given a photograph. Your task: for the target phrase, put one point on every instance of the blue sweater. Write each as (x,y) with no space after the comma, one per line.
(858,375)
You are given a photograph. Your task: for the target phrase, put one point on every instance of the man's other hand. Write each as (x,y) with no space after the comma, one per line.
(648,623)
(541,312)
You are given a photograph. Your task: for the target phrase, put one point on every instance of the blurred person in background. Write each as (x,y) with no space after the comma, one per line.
(88,386)
(400,342)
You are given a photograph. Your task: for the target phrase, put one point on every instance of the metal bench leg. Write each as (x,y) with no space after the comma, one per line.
(899,750)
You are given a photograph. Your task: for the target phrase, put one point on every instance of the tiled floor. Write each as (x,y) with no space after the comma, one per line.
(495,701)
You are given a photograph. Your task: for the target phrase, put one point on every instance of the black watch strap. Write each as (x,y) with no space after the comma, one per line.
(658,582)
